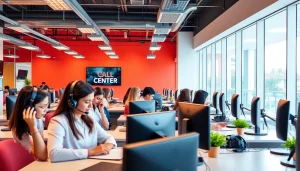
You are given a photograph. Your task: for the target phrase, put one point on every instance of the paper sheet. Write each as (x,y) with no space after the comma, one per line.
(114,154)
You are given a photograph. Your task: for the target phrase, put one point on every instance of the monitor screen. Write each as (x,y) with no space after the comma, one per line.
(150,126)
(158,101)
(107,76)
(22,74)
(147,106)
(165,154)
(10,103)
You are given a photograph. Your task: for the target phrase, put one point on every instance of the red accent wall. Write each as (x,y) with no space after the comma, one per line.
(136,69)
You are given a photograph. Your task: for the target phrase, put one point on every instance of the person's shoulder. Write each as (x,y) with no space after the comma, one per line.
(61,118)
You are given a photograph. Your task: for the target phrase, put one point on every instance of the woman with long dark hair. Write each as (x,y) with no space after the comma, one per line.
(72,133)
(26,121)
(99,112)
(184,96)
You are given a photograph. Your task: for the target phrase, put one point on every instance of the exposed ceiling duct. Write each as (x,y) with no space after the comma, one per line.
(23,2)
(176,26)
(170,12)
(137,2)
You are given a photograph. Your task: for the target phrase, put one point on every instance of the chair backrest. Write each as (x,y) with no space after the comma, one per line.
(176,94)
(13,156)
(47,118)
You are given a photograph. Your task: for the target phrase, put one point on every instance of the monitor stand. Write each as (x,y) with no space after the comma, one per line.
(282,152)
(288,162)
(200,161)
(257,132)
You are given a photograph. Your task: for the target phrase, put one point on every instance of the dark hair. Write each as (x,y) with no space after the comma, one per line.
(106,92)
(200,97)
(43,82)
(81,90)
(23,100)
(98,91)
(184,96)
(148,90)
(126,95)
(6,87)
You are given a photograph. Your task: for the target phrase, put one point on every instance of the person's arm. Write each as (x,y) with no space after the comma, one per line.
(56,135)
(218,126)
(39,149)
(104,138)
(104,122)
(175,105)
(126,110)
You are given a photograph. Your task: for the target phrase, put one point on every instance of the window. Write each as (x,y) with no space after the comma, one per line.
(208,83)
(201,69)
(219,67)
(248,65)
(230,67)
(298,54)
(275,61)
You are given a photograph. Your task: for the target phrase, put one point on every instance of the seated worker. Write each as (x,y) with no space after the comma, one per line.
(6,93)
(134,95)
(44,86)
(148,94)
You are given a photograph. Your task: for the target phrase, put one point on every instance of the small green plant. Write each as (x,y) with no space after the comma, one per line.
(27,81)
(240,123)
(217,140)
(290,143)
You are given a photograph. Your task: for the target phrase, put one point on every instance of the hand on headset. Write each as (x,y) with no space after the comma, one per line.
(29,117)
(101,105)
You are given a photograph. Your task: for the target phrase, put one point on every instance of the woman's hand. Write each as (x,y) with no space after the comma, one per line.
(29,117)
(218,126)
(100,149)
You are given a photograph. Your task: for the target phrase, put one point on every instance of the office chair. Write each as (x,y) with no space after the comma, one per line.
(176,95)
(111,93)
(13,156)
(47,118)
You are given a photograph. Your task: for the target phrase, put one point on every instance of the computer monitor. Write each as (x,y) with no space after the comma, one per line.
(282,119)
(195,118)
(150,126)
(215,101)
(176,94)
(146,106)
(165,154)
(235,106)
(158,101)
(12,91)
(10,103)
(164,91)
(111,93)
(52,96)
(255,117)
(61,92)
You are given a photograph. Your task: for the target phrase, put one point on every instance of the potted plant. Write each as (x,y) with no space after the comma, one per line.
(27,81)
(290,144)
(216,140)
(240,125)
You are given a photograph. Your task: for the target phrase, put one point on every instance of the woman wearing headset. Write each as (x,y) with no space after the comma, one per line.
(26,120)
(72,134)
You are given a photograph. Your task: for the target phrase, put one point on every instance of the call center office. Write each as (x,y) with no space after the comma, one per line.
(253,54)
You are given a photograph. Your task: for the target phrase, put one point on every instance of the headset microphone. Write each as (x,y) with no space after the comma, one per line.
(82,111)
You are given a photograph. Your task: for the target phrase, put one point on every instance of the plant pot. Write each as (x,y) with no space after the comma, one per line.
(294,156)
(240,131)
(213,152)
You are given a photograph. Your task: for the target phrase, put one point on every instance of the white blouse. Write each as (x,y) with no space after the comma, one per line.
(96,115)
(27,141)
(63,145)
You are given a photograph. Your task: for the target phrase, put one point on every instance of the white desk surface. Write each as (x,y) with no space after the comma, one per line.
(4,135)
(247,161)
(116,108)
(122,119)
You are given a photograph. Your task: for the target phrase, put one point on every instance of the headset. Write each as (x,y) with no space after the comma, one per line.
(72,102)
(33,96)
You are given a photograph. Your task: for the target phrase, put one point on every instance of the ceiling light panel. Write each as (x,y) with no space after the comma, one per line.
(86,29)
(162,30)
(58,5)
(158,38)
(114,56)
(154,47)
(105,47)
(30,47)
(151,56)
(71,52)
(78,56)
(10,55)
(94,37)
(43,56)
(110,53)
(17,28)
(61,47)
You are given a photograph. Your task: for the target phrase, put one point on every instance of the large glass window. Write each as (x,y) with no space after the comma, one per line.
(230,66)
(219,67)
(248,65)
(208,83)
(298,54)
(275,61)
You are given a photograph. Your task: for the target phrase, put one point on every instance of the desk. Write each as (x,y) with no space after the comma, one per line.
(122,120)
(5,135)
(247,161)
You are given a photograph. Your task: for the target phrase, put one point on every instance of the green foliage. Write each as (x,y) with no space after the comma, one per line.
(217,140)
(27,81)
(290,143)
(240,123)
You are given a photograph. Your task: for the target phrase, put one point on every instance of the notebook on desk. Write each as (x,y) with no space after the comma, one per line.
(104,166)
